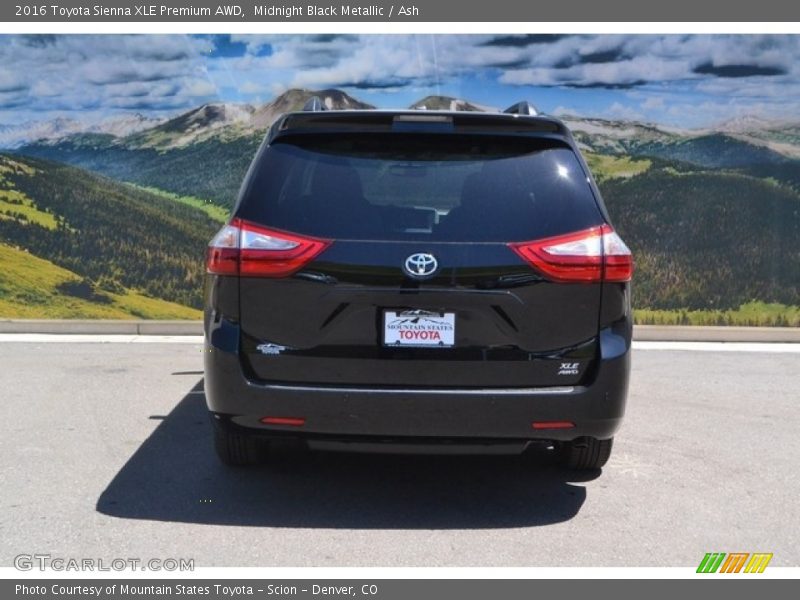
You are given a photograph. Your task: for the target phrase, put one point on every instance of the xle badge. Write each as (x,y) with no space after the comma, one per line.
(569,368)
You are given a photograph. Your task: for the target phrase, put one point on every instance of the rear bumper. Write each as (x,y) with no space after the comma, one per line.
(379,413)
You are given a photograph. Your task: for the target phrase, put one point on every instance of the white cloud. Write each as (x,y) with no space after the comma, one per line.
(199,88)
(653,103)
(12,81)
(618,110)
(164,73)
(566,111)
(96,73)
(251,87)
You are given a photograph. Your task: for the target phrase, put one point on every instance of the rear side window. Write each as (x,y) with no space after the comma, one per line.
(410,187)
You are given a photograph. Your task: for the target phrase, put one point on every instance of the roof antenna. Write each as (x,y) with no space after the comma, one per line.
(522,108)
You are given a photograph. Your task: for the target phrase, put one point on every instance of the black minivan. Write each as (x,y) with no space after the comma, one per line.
(418,281)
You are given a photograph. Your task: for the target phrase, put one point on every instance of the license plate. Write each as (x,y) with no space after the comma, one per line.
(419,328)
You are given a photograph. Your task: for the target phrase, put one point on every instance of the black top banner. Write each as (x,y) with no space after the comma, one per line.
(387,10)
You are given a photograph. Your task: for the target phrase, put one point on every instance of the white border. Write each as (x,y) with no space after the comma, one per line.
(376,573)
(392,27)
(389,27)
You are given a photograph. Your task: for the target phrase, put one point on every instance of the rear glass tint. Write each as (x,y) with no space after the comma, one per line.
(412,187)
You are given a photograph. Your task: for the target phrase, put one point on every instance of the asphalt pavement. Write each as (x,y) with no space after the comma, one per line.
(106,452)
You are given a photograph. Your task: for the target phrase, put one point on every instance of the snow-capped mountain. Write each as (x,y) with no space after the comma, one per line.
(449,103)
(14,136)
(745,139)
(193,126)
(124,124)
(294,99)
(229,121)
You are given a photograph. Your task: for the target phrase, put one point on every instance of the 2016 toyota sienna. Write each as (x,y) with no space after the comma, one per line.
(418,280)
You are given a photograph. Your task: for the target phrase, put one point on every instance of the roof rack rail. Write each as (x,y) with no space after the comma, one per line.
(522,108)
(314,104)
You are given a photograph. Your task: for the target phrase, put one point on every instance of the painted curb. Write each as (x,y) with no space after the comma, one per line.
(686,333)
(101,327)
(650,333)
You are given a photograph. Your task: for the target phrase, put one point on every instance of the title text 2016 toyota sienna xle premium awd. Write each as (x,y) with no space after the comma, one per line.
(418,280)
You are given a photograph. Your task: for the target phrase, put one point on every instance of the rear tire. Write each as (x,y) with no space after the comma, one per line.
(238,449)
(586,453)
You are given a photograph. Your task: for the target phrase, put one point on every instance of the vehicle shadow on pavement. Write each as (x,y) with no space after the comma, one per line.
(175,476)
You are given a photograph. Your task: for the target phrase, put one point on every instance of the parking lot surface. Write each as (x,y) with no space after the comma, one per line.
(106,452)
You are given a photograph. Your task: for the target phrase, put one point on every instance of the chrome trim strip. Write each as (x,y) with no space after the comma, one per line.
(542,391)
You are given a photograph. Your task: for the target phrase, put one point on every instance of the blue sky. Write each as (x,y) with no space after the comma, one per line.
(677,80)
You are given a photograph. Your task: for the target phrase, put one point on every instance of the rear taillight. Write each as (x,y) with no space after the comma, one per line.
(243,248)
(290,421)
(588,256)
(553,425)
(222,256)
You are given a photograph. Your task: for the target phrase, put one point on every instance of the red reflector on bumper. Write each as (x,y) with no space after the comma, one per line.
(553,425)
(293,421)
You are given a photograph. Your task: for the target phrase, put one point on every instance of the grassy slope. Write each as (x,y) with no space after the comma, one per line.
(212,210)
(708,240)
(212,169)
(607,166)
(14,205)
(751,314)
(110,233)
(28,290)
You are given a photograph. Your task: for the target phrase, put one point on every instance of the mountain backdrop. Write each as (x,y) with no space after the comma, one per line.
(115,215)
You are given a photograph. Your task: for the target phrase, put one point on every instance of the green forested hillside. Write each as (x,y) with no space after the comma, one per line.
(708,240)
(204,152)
(112,235)
(212,169)
(710,151)
(702,239)
(714,222)
(33,288)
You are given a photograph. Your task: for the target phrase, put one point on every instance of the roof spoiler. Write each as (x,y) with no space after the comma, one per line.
(522,108)
(314,104)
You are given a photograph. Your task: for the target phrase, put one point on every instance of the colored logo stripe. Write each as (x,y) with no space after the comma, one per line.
(758,562)
(711,562)
(734,562)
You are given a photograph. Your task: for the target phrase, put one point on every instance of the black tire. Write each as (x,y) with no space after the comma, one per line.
(238,449)
(586,453)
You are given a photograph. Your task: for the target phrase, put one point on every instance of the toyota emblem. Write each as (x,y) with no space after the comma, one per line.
(421,265)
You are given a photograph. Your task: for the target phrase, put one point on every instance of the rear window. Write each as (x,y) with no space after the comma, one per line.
(411,187)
